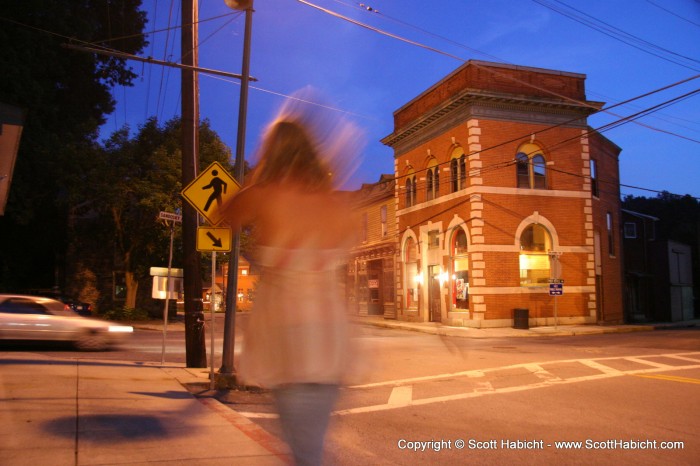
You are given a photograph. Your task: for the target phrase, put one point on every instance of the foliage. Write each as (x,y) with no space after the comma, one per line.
(135,178)
(126,314)
(66,95)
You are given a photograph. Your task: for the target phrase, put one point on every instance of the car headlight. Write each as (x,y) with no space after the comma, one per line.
(121,329)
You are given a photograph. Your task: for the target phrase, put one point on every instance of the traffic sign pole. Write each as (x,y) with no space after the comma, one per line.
(212,310)
(172,218)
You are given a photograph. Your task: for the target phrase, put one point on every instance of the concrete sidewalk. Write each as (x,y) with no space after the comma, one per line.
(468,332)
(508,332)
(86,412)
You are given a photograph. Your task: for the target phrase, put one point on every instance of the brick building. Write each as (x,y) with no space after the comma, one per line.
(371,281)
(502,188)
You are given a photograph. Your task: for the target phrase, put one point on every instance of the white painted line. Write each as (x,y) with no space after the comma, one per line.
(600,367)
(476,394)
(650,363)
(482,372)
(539,372)
(401,396)
(484,387)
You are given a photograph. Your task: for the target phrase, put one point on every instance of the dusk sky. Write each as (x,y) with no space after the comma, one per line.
(626,48)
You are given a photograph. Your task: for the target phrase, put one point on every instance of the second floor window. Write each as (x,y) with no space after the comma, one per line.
(594,178)
(531,167)
(365,227)
(410,190)
(432,184)
(382,218)
(458,170)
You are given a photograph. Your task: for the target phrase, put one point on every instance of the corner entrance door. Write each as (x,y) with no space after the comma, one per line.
(375,302)
(434,293)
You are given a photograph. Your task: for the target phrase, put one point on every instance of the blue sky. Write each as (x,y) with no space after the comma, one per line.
(626,48)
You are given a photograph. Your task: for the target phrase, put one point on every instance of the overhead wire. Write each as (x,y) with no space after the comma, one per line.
(616,33)
(674,14)
(487,69)
(480,52)
(585,103)
(559,144)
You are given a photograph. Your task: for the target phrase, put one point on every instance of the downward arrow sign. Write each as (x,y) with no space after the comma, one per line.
(215,241)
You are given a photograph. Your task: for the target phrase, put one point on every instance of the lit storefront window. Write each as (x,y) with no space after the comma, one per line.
(535,243)
(460,271)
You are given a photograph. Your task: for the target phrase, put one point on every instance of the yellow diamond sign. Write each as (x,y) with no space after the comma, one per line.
(209,192)
(210,239)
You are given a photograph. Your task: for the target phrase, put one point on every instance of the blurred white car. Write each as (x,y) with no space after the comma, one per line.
(37,318)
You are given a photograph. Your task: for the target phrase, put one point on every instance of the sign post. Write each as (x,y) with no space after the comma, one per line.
(208,193)
(556,288)
(212,312)
(168,216)
(556,283)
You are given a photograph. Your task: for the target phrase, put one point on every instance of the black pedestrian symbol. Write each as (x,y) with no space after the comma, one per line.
(218,186)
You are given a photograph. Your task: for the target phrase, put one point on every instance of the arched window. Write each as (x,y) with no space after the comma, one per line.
(411,273)
(531,167)
(460,271)
(410,188)
(458,170)
(432,180)
(535,244)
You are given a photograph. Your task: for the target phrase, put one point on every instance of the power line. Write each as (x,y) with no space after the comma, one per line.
(674,14)
(487,69)
(616,33)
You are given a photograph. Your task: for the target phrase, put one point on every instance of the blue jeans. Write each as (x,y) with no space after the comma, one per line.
(304,411)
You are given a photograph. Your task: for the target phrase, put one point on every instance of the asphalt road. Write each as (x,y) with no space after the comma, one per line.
(628,398)
(432,400)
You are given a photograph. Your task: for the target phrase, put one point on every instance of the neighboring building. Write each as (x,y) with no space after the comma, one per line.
(371,281)
(247,281)
(658,273)
(502,187)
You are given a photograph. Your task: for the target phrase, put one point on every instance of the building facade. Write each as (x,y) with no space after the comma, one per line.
(658,273)
(503,192)
(371,285)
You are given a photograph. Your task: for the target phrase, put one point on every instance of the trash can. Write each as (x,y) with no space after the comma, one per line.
(521,318)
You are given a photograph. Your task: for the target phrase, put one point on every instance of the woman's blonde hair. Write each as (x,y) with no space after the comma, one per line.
(289,154)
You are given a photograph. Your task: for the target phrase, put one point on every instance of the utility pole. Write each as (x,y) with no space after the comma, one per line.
(227,374)
(194,316)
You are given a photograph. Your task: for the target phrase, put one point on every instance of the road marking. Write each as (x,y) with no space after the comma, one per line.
(485,388)
(402,393)
(601,367)
(401,396)
(481,372)
(649,363)
(672,378)
(539,372)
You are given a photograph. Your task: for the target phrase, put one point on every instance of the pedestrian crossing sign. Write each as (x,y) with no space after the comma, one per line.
(209,191)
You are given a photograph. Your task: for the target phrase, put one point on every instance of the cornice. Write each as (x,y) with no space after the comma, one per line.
(472,103)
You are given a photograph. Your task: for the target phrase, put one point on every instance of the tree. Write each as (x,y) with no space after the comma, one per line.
(135,178)
(66,94)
